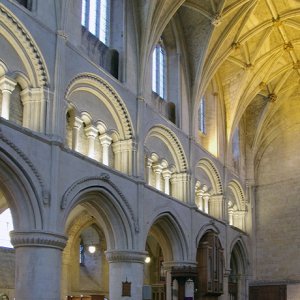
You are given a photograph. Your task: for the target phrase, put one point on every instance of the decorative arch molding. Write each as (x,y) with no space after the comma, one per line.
(238,193)
(107,94)
(30,170)
(213,174)
(103,184)
(22,41)
(172,142)
(167,226)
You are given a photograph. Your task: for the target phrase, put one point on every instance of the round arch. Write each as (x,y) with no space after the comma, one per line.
(22,41)
(94,84)
(213,174)
(238,193)
(173,144)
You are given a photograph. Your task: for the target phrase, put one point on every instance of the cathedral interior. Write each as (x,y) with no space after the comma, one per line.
(149,149)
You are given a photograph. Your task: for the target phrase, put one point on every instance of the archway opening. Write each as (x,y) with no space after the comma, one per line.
(7,252)
(85,271)
(210,261)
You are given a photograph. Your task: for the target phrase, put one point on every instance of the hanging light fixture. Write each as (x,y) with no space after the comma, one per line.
(92,249)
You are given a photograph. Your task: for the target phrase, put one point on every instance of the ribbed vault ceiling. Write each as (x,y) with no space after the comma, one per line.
(251,48)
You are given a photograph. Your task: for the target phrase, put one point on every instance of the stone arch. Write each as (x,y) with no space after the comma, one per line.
(22,190)
(102,198)
(238,265)
(213,174)
(167,230)
(172,142)
(239,247)
(22,41)
(106,93)
(238,192)
(206,228)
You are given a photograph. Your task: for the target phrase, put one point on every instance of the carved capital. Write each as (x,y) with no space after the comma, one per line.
(7,84)
(115,256)
(38,239)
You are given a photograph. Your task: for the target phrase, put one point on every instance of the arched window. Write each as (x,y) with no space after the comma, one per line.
(95,16)
(159,72)
(202,116)
(236,149)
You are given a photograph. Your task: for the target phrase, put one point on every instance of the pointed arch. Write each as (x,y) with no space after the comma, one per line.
(22,188)
(211,226)
(107,204)
(167,230)
(107,94)
(22,41)
(213,174)
(170,139)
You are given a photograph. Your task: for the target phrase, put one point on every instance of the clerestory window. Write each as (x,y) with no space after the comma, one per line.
(95,16)
(202,116)
(159,60)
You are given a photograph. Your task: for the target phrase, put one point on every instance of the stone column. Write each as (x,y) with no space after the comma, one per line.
(7,86)
(126,266)
(38,264)
(157,168)
(179,183)
(216,206)
(91,133)
(123,156)
(149,170)
(25,98)
(105,141)
(34,108)
(239,219)
(76,130)
(166,176)
(205,198)
(230,215)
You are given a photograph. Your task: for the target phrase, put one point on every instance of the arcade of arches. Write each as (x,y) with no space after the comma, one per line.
(160,162)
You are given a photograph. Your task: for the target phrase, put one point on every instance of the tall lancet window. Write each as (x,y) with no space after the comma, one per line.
(95,16)
(159,71)
(202,116)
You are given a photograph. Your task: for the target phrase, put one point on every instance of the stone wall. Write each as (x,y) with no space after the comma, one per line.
(7,271)
(277,210)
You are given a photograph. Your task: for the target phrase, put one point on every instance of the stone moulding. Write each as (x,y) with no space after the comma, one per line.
(45,196)
(96,180)
(108,92)
(26,40)
(165,134)
(125,256)
(38,239)
(213,173)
